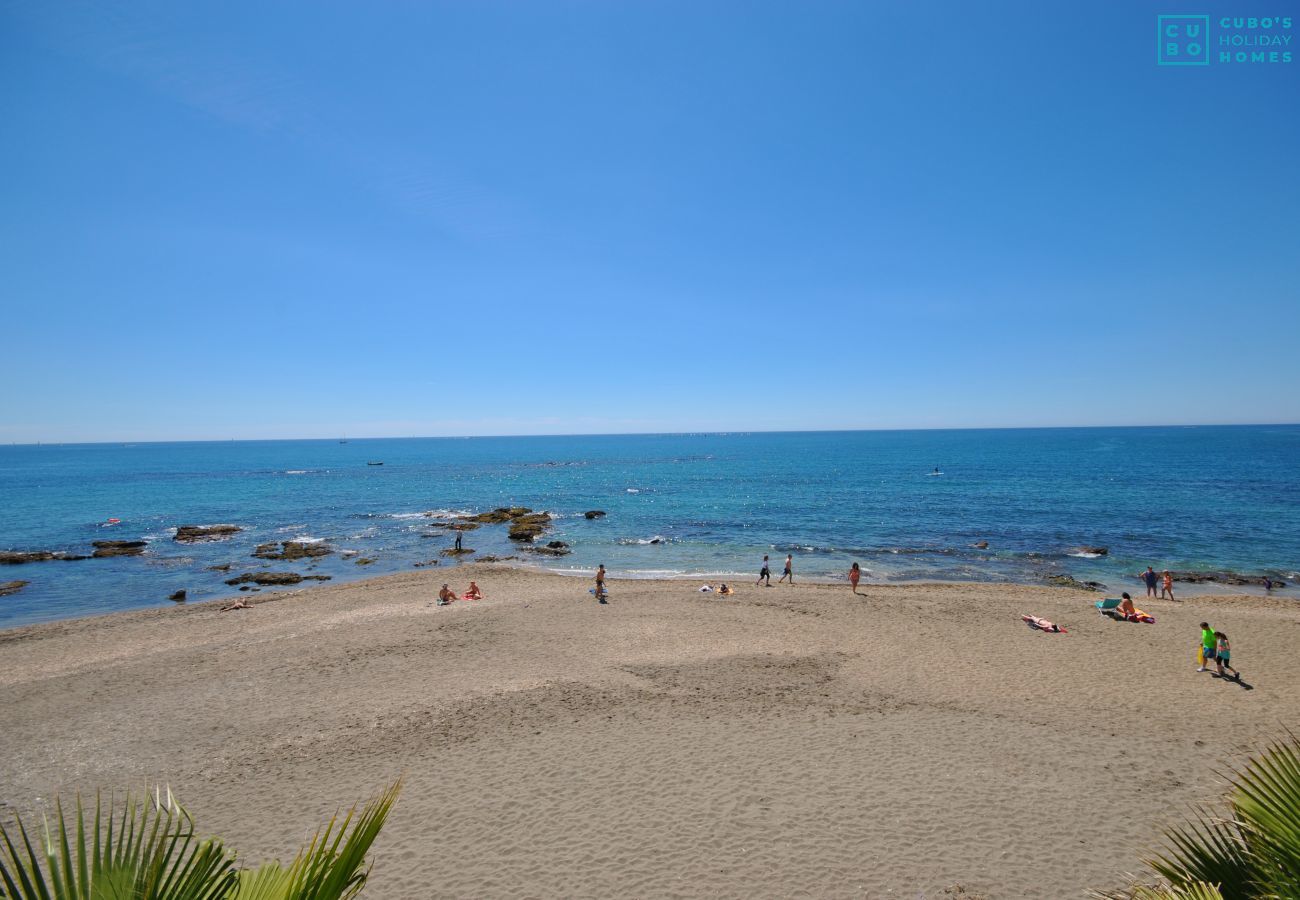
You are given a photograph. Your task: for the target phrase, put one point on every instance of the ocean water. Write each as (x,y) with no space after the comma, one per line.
(694,505)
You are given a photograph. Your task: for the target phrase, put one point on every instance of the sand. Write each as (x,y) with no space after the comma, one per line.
(788,742)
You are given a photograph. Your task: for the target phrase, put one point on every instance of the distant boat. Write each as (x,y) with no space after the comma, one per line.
(343,440)
(374,463)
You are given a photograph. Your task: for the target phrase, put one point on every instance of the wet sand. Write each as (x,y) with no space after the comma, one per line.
(785,742)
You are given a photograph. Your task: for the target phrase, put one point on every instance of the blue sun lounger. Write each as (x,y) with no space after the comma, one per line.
(1108,604)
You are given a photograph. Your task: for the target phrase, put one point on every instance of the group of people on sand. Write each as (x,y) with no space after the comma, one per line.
(447,595)
(1215,648)
(1165,580)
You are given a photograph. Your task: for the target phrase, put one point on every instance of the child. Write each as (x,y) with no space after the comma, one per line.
(1167,586)
(1224,655)
(1208,643)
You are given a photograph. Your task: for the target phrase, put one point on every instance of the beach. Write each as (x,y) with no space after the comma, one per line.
(787,741)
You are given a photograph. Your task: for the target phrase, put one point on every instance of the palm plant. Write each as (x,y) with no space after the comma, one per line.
(148,850)
(1252,853)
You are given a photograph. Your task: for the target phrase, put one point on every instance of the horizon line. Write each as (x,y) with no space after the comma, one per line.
(692,432)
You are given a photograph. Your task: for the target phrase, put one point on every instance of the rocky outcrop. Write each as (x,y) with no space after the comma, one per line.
(529,527)
(500,515)
(118,548)
(1070,581)
(291,550)
(594,514)
(981,545)
(554,548)
(189,534)
(494,559)
(17,557)
(1091,551)
(224,567)
(12,587)
(1224,578)
(266,579)
(365,561)
(178,596)
(457,551)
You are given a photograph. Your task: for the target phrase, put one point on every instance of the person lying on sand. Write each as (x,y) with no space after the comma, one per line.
(473,593)
(241,603)
(446,595)
(725,590)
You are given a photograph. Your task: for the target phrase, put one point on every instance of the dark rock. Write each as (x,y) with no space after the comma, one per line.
(981,545)
(188,534)
(266,578)
(463,526)
(432,562)
(1096,551)
(558,545)
(594,514)
(12,587)
(224,567)
(179,595)
(17,557)
(364,561)
(453,551)
(528,527)
(317,577)
(495,559)
(549,550)
(291,550)
(247,587)
(1235,578)
(1070,581)
(118,548)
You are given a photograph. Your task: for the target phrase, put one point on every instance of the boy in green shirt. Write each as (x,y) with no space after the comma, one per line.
(1208,642)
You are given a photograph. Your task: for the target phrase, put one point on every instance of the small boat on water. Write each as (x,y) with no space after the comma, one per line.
(374,463)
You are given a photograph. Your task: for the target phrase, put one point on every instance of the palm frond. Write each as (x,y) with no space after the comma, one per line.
(1266,800)
(332,866)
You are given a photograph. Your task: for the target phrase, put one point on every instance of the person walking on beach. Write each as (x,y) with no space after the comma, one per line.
(1208,644)
(855,574)
(789,569)
(1149,576)
(1223,655)
(600,584)
(1167,586)
(765,573)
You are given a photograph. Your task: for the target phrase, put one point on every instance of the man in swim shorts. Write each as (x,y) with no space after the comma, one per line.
(600,584)
(1149,576)
(789,569)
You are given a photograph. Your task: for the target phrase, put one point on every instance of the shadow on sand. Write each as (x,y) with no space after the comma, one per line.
(1234,679)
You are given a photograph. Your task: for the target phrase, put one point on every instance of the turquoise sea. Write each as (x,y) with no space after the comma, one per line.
(697,505)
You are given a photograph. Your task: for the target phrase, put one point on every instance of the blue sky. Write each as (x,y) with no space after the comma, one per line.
(313,219)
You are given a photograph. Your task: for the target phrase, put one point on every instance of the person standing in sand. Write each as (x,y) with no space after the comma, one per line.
(855,574)
(1149,576)
(600,584)
(765,573)
(1167,586)
(789,569)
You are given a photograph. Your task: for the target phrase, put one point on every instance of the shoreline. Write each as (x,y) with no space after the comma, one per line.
(1205,591)
(669,744)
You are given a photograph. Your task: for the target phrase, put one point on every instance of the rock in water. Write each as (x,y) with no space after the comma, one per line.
(118,548)
(11,587)
(594,514)
(981,545)
(188,534)
(178,596)
(17,557)
(291,550)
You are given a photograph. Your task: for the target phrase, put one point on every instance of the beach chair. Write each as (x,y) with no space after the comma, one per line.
(1110,603)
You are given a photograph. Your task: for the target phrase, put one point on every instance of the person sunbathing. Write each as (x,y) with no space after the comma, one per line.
(725,590)
(473,593)
(1126,607)
(241,603)
(446,595)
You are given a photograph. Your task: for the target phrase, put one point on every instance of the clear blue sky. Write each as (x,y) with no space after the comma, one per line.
(309,219)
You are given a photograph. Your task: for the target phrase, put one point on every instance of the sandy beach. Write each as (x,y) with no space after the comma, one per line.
(786,742)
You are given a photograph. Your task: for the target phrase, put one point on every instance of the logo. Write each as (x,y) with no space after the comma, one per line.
(1182,40)
(1198,41)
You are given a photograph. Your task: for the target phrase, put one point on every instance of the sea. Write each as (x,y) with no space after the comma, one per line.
(905,505)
